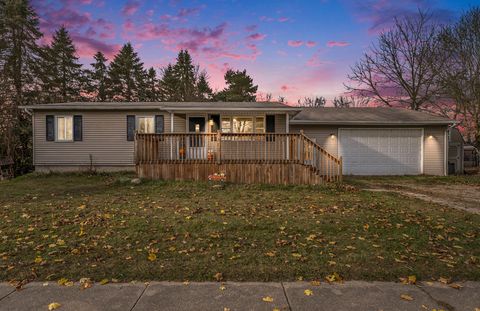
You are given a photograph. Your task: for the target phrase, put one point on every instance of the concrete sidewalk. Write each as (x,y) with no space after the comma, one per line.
(352,295)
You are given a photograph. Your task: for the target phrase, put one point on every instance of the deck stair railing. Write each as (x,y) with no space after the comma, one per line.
(221,148)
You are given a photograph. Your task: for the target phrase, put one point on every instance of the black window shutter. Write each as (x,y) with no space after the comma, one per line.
(130,128)
(159,124)
(50,122)
(77,128)
(270,120)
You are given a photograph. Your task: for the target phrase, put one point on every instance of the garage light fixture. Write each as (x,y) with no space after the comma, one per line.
(332,135)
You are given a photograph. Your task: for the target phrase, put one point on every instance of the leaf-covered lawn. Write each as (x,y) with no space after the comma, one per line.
(102,226)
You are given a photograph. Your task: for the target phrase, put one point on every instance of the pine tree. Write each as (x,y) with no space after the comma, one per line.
(126,76)
(185,73)
(240,87)
(152,86)
(19,59)
(98,78)
(63,77)
(169,85)
(204,91)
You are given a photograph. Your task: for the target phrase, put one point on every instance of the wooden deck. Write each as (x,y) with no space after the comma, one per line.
(243,158)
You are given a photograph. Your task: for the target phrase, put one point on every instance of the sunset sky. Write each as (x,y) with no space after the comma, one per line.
(290,48)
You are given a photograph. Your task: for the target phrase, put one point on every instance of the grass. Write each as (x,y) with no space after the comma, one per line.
(102,226)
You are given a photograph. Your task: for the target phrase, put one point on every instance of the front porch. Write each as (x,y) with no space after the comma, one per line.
(244,158)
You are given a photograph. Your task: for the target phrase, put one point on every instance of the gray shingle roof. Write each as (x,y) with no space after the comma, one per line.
(164,106)
(366,116)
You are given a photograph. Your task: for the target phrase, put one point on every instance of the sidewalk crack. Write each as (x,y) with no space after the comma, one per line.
(140,296)
(286,297)
(440,303)
(1,298)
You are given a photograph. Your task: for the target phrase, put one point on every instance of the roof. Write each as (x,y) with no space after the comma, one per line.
(168,106)
(367,116)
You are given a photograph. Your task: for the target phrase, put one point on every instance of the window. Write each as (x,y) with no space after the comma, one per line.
(146,125)
(259,125)
(226,125)
(242,125)
(65,128)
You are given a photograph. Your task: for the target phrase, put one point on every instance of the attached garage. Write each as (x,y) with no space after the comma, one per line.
(379,141)
(384,151)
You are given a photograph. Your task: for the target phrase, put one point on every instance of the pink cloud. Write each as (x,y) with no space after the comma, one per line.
(295,43)
(257,36)
(87,47)
(251,28)
(283,19)
(131,7)
(287,88)
(311,44)
(337,43)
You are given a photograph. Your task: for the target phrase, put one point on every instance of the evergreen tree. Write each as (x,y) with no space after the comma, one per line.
(19,59)
(19,52)
(63,77)
(240,87)
(98,77)
(152,86)
(126,76)
(169,85)
(204,91)
(185,73)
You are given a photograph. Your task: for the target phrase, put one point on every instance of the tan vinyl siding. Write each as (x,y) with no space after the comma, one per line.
(280,123)
(104,139)
(322,135)
(434,150)
(179,123)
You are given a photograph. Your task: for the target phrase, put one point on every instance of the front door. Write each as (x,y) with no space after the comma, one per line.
(196,141)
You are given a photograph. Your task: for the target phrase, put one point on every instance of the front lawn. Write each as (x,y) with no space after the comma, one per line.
(102,226)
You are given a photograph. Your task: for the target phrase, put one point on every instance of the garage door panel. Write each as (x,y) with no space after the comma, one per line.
(381,151)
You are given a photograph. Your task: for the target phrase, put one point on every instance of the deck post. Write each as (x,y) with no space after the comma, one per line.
(219,149)
(287,130)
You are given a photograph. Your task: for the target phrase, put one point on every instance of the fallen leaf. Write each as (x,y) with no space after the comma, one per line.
(267,299)
(335,277)
(53,306)
(406,297)
(308,292)
(444,280)
(38,259)
(455,285)
(103,282)
(218,276)
(315,283)
(222,287)
(152,256)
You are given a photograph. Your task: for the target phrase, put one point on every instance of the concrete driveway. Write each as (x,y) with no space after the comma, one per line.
(228,296)
(459,196)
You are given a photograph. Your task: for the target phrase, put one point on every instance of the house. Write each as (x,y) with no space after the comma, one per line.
(253,141)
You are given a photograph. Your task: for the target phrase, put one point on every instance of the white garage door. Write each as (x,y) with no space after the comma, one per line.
(381,151)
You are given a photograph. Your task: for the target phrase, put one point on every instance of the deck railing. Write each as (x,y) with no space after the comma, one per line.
(221,148)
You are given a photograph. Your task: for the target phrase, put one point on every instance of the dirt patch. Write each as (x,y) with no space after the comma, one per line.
(462,197)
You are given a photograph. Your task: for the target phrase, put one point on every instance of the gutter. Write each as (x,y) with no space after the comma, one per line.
(383,123)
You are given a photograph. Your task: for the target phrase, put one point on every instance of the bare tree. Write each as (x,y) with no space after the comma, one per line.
(281,99)
(461,78)
(350,101)
(317,101)
(402,68)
